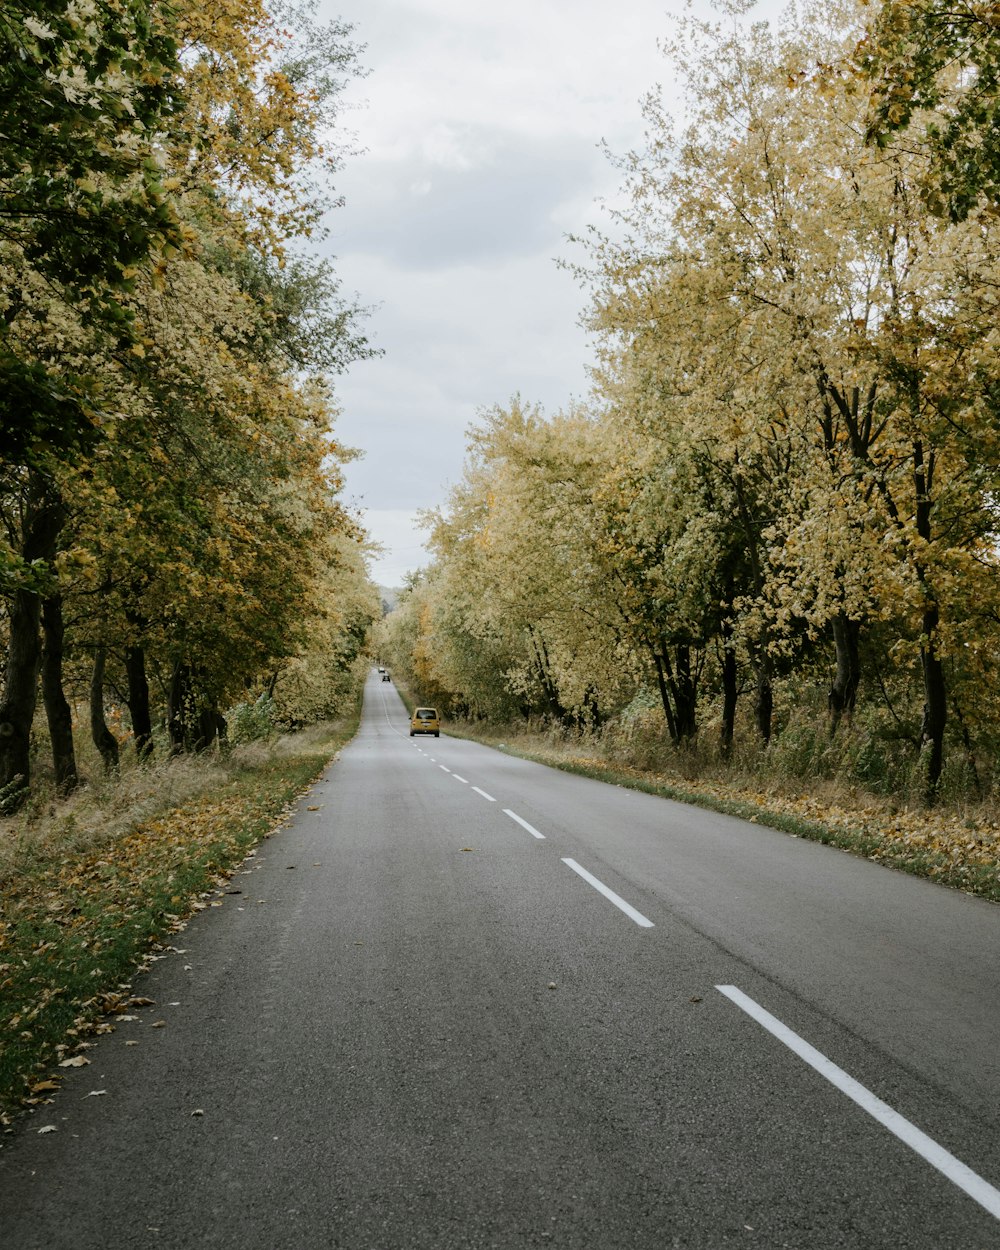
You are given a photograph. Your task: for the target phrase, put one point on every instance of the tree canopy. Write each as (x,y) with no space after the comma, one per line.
(171,530)
(783,497)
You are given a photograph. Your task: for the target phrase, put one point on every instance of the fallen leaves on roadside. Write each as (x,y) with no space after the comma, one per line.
(78,920)
(77,1061)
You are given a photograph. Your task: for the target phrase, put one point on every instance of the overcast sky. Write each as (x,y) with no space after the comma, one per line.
(482,125)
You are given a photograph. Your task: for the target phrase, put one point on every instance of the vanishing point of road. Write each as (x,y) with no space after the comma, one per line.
(463,1001)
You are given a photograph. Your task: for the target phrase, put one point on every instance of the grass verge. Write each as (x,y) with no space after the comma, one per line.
(81,915)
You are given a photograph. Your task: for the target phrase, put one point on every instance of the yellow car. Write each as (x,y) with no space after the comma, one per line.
(425,720)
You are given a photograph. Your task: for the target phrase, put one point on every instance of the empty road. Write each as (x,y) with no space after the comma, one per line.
(466,1001)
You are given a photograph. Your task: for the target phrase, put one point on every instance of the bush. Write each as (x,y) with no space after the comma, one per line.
(251,722)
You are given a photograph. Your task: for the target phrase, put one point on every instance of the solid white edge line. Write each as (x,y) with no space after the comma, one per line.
(523,823)
(610,895)
(979,1190)
(488,797)
(461,779)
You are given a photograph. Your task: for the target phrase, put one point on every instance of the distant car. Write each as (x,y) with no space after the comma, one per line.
(385,675)
(425,720)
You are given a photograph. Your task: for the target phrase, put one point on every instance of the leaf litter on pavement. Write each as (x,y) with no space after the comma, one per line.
(76,926)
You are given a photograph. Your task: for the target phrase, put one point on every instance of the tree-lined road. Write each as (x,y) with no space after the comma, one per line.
(467,1001)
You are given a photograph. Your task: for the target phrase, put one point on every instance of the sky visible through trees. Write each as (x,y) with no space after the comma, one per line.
(770,514)
(777,511)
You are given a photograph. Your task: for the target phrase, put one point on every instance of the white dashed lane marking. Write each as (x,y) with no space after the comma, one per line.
(610,895)
(957,1172)
(523,823)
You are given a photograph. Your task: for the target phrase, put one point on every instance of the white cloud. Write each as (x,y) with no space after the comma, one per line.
(401,538)
(511,203)
(456,340)
(482,129)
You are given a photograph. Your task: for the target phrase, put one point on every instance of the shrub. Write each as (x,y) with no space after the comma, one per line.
(251,722)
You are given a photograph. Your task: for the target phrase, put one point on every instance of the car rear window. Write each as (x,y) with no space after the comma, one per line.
(426,713)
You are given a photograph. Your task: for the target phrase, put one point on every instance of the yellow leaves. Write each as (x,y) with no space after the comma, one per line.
(77,564)
(38,28)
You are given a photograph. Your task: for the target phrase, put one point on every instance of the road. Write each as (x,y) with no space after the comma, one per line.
(466,1001)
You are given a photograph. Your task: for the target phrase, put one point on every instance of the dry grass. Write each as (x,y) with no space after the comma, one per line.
(90,884)
(101,810)
(106,807)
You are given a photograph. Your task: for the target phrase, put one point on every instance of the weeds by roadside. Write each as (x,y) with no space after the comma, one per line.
(89,889)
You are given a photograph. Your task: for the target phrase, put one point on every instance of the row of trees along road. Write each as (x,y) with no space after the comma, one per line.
(168,483)
(785,495)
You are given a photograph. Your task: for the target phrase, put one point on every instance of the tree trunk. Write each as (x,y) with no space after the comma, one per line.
(17,711)
(661,682)
(970,755)
(57,709)
(763,707)
(932,670)
(549,688)
(178,695)
(935,705)
(104,739)
(843,692)
(685,689)
(138,701)
(729,692)
(211,727)
(43,517)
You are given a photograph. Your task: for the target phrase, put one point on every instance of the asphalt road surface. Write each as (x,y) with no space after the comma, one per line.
(468,1001)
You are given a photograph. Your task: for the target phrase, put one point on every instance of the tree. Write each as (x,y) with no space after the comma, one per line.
(518,578)
(934,73)
(165,376)
(84,91)
(794,313)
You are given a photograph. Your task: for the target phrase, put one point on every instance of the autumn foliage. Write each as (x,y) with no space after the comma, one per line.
(772,535)
(171,539)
